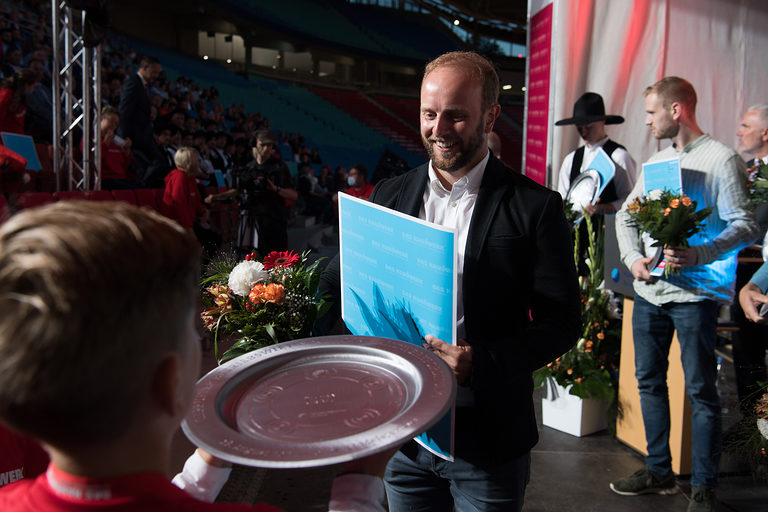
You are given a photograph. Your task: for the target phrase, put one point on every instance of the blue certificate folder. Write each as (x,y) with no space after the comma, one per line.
(604,166)
(23,145)
(398,280)
(662,175)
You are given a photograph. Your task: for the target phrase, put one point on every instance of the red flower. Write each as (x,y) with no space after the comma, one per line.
(280,259)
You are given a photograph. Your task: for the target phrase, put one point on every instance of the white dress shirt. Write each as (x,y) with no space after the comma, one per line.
(624,179)
(453,208)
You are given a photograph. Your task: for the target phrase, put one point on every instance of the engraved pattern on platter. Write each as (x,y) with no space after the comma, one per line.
(316,404)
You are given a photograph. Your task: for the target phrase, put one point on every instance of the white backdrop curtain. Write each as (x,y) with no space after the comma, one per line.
(618,47)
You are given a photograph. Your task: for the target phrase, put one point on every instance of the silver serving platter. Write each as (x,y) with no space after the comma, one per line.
(319,401)
(583,191)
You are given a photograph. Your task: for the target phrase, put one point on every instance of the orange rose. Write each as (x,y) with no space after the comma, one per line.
(256,295)
(271,292)
(667,211)
(674,203)
(687,201)
(600,336)
(274,292)
(569,371)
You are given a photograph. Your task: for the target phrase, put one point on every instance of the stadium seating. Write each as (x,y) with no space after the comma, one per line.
(26,200)
(149,197)
(126,196)
(99,195)
(68,195)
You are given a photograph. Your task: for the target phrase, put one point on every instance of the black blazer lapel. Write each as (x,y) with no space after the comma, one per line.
(411,196)
(492,190)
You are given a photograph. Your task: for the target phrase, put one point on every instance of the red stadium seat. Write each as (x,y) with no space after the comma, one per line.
(28,200)
(99,195)
(68,195)
(126,196)
(149,197)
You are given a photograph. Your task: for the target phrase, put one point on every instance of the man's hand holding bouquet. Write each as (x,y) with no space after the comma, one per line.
(669,220)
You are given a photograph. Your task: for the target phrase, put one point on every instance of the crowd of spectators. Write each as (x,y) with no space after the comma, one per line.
(146,117)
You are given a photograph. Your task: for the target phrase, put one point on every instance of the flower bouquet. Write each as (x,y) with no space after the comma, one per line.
(669,219)
(262,302)
(757,184)
(591,367)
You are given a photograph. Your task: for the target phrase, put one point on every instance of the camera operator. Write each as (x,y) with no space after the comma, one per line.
(263,186)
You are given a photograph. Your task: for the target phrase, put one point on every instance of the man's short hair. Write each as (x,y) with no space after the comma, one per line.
(476,66)
(185,158)
(361,170)
(673,89)
(148,61)
(93,295)
(762,113)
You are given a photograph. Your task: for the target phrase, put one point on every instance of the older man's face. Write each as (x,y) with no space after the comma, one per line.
(752,134)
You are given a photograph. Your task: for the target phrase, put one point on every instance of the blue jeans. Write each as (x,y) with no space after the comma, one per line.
(418,481)
(653,327)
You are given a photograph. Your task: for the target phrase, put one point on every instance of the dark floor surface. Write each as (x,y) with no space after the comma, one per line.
(567,474)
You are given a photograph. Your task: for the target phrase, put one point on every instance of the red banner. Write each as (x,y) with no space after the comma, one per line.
(537,123)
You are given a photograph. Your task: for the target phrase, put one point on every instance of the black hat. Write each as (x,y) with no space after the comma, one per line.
(588,109)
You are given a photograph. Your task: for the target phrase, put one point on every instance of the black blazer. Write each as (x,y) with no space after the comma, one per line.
(521,300)
(134,113)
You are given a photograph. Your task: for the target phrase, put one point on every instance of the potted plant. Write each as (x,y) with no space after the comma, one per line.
(582,383)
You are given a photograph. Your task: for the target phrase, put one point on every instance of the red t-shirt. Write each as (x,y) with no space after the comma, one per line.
(362,193)
(20,457)
(181,200)
(56,491)
(114,162)
(12,122)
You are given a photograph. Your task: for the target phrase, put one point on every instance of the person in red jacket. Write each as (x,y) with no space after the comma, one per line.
(181,199)
(13,104)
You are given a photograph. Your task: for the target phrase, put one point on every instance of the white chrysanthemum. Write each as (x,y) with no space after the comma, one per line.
(245,275)
(762,426)
(655,195)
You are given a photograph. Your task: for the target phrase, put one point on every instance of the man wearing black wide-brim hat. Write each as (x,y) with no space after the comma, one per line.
(590,120)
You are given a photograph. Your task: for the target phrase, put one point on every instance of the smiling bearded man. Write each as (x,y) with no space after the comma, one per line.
(524,316)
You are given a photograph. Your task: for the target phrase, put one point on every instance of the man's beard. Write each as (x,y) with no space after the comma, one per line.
(459,159)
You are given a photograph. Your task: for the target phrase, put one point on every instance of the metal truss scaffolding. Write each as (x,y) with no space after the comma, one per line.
(76,102)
